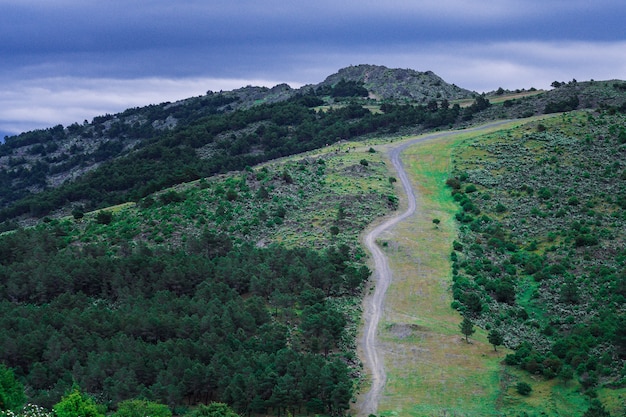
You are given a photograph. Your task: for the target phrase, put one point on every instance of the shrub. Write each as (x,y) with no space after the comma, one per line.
(104,217)
(171,197)
(76,404)
(500,208)
(586,240)
(141,408)
(453,183)
(213,410)
(523,388)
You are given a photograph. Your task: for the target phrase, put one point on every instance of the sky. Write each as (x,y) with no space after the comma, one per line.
(66,61)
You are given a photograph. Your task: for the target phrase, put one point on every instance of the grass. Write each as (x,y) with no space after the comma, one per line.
(431,370)
(434,370)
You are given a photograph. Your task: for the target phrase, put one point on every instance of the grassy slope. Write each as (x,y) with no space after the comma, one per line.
(431,370)
(311,198)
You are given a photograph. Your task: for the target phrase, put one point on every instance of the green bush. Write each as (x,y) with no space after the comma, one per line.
(213,410)
(523,388)
(76,404)
(104,217)
(142,408)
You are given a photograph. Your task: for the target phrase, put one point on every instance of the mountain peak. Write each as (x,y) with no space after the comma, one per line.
(396,83)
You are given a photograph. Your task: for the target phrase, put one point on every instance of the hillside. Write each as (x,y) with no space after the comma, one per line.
(235,284)
(540,257)
(208,250)
(129,155)
(63,168)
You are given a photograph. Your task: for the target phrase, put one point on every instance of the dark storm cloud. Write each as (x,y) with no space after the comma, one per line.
(152,37)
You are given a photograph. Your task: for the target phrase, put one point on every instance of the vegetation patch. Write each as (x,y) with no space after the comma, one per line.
(215,290)
(541,246)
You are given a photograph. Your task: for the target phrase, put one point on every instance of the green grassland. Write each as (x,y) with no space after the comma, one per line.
(431,370)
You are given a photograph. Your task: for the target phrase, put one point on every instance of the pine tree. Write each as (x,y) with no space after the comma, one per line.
(495,338)
(467,328)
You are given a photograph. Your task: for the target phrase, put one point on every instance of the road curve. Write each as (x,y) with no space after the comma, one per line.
(382,274)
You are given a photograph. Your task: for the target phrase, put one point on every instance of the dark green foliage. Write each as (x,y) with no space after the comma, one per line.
(480,103)
(467,328)
(142,408)
(495,338)
(523,388)
(104,217)
(596,409)
(453,183)
(585,240)
(562,106)
(348,89)
(78,214)
(566,374)
(171,196)
(177,326)
(213,410)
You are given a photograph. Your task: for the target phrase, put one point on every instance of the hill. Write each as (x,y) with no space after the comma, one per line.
(540,257)
(142,150)
(180,255)
(239,288)
(54,171)
(401,84)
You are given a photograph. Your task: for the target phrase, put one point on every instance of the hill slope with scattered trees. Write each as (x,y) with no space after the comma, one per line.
(219,279)
(540,258)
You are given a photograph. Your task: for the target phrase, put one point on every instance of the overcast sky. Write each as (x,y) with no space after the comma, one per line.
(65,61)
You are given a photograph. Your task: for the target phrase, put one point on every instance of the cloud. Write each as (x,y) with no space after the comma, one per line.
(487,66)
(67,60)
(43,103)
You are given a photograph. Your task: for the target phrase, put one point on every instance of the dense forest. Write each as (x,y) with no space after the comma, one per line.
(257,328)
(541,259)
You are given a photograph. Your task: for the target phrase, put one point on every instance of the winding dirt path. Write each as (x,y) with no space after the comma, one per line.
(374,304)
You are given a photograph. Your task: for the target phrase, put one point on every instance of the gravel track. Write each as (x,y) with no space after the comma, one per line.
(374,305)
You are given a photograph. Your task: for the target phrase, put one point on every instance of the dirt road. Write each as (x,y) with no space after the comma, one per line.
(374,304)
